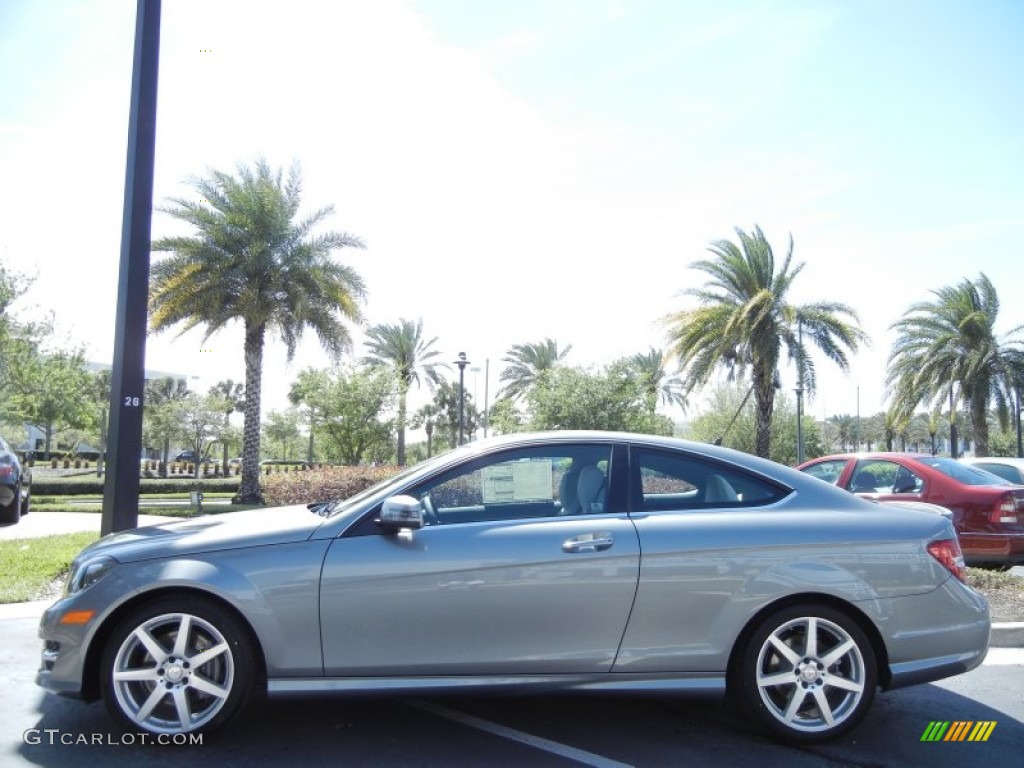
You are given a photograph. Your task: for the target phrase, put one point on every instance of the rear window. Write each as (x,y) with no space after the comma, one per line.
(1008,473)
(962,473)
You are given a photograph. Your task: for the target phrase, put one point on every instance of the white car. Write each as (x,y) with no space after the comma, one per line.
(1009,468)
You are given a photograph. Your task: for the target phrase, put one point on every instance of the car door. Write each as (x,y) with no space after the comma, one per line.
(703,532)
(510,576)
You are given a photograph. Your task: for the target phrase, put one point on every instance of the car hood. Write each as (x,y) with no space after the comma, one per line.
(232,530)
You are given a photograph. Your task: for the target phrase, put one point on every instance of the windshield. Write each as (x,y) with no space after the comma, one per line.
(384,486)
(961,472)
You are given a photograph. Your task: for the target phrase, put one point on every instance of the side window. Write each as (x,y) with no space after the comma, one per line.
(829,471)
(520,484)
(881,476)
(669,480)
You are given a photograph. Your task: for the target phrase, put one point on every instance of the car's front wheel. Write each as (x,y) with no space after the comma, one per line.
(177,665)
(807,673)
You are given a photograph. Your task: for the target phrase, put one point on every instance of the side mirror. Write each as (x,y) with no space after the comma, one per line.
(400,513)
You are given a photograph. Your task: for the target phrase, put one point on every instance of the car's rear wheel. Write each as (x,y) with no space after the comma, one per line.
(11,512)
(177,665)
(807,673)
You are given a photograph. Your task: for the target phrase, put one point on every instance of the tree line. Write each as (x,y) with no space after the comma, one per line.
(252,259)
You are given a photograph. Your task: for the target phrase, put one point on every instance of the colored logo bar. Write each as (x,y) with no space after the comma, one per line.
(958,730)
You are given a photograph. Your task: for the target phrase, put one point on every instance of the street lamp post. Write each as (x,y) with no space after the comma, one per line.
(800,393)
(462,362)
(486,394)
(953,437)
(1020,443)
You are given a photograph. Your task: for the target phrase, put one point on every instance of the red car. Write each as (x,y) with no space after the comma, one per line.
(988,512)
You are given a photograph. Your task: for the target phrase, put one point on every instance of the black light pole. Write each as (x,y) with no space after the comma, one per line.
(124,445)
(462,362)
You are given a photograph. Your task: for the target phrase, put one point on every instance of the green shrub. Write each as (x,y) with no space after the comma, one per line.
(77,486)
(321,484)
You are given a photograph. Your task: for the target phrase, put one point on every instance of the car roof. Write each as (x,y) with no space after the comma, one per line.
(1010,460)
(871,455)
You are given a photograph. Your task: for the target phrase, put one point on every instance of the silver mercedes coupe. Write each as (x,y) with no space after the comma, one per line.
(582,561)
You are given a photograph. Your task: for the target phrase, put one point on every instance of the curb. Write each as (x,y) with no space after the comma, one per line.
(1008,634)
(31,610)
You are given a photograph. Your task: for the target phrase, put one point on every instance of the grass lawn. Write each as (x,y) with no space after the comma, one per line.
(29,566)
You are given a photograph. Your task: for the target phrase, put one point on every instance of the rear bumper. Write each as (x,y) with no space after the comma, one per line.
(992,548)
(940,634)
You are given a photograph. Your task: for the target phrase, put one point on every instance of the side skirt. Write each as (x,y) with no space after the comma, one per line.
(610,683)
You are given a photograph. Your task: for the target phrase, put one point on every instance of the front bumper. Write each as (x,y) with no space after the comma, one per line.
(62,667)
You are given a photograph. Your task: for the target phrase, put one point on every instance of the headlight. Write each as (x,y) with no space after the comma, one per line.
(86,573)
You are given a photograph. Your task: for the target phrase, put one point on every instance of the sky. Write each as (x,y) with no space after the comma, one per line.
(522,170)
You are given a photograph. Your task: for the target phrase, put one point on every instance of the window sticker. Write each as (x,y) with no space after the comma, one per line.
(518,481)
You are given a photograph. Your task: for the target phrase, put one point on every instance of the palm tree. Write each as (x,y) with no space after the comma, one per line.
(845,429)
(947,352)
(657,382)
(744,320)
(403,349)
(426,418)
(160,397)
(526,362)
(252,261)
(232,394)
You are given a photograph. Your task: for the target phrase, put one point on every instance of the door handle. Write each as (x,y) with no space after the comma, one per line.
(589,542)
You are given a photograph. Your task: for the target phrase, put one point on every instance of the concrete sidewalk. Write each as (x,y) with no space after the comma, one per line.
(36,524)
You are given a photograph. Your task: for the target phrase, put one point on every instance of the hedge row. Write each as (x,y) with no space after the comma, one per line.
(321,484)
(59,486)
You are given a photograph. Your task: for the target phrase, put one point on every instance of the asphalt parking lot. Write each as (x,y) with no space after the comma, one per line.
(41,729)
(607,732)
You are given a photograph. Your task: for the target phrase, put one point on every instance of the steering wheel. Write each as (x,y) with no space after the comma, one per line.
(429,513)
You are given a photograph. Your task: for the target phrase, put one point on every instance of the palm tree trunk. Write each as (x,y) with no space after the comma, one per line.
(249,488)
(764,392)
(403,389)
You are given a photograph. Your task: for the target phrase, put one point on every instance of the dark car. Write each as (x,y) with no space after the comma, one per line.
(15,485)
(564,561)
(189,457)
(988,512)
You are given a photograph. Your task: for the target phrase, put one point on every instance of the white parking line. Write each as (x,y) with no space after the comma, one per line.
(1005,657)
(562,750)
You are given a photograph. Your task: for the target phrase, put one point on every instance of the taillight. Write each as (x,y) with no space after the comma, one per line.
(1004,511)
(6,470)
(947,552)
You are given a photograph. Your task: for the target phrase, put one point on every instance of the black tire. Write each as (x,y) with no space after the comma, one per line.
(803,692)
(195,698)
(12,512)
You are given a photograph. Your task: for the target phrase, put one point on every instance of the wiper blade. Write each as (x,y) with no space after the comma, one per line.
(322,508)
